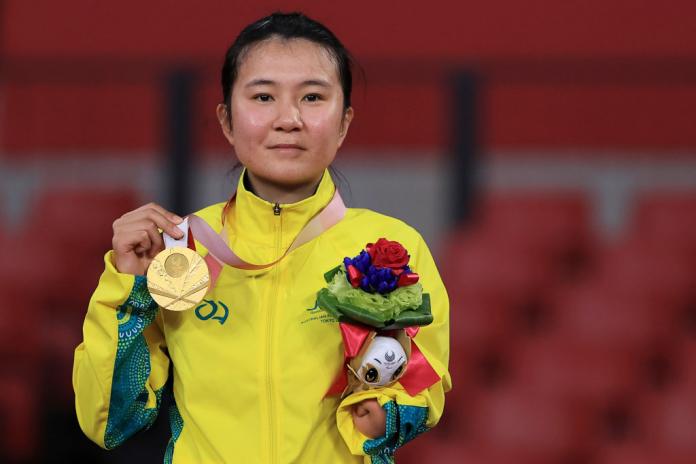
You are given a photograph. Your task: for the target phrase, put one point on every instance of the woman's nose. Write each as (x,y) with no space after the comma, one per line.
(289,118)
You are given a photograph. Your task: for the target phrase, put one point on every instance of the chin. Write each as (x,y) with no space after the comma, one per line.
(288,177)
(288,173)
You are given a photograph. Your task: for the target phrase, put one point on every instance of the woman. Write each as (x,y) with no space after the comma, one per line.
(253,363)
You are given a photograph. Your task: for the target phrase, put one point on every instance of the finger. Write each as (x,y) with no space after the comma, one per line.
(148,226)
(372,406)
(154,206)
(157,218)
(131,241)
(360,410)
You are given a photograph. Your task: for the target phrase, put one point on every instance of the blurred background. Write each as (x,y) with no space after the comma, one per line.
(545,149)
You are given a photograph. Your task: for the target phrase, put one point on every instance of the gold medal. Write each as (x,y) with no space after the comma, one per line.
(178,278)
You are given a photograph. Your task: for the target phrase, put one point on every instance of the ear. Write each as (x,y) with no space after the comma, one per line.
(225,122)
(345,123)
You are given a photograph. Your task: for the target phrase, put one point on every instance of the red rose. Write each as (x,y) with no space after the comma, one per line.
(389,254)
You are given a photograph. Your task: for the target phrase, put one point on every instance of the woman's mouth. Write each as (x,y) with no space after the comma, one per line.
(282,146)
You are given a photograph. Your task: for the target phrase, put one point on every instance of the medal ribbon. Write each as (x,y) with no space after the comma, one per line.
(171,242)
(219,252)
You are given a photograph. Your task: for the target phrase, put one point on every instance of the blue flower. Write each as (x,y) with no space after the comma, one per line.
(374,279)
(363,261)
(381,279)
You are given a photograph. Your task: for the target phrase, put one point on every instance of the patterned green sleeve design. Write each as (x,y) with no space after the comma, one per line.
(404,423)
(176,424)
(127,411)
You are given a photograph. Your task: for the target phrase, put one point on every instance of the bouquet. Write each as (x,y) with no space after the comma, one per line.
(376,288)
(379,304)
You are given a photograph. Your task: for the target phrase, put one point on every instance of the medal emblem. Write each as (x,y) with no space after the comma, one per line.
(178,278)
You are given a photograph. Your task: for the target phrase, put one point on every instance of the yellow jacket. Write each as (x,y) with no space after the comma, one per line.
(252,363)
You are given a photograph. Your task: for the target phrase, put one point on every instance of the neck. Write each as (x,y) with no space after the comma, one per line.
(276,193)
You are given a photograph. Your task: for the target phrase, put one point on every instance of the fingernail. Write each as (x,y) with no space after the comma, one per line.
(177,219)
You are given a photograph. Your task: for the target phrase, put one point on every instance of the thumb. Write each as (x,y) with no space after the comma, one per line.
(361,410)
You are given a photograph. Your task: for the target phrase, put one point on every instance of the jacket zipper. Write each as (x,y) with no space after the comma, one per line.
(269,338)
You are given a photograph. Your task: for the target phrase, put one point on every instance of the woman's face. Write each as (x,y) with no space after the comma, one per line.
(287,111)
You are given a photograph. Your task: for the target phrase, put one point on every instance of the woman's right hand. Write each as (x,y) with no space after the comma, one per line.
(137,239)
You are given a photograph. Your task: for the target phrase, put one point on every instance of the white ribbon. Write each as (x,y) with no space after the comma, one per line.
(171,242)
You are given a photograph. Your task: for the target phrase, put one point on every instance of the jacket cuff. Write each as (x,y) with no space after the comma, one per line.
(125,290)
(406,419)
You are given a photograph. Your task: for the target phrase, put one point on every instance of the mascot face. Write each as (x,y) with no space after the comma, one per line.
(383,363)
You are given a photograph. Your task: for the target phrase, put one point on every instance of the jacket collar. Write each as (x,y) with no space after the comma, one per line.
(252,220)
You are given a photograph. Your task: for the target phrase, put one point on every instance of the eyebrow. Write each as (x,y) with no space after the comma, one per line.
(260,82)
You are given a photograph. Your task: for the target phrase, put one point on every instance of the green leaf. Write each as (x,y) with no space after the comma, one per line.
(420,316)
(354,313)
(344,312)
(329,303)
(328,277)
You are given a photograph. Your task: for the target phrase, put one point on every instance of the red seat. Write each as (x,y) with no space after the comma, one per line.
(478,322)
(514,420)
(685,364)
(64,241)
(557,366)
(668,218)
(19,418)
(668,421)
(78,221)
(478,265)
(650,271)
(456,451)
(553,224)
(639,453)
(22,324)
(590,312)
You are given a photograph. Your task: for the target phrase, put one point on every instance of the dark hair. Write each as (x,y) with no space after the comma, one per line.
(287,26)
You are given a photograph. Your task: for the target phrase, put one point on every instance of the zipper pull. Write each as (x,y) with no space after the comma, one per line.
(276,209)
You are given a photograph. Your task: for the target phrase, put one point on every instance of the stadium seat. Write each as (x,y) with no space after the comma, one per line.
(559,366)
(19,418)
(480,265)
(685,363)
(639,453)
(457,451)
(648,270)
(667,420)
(553,224)
(667,218)
(513,420)
(72,229)
(22,324)
(591,312)
(78,219)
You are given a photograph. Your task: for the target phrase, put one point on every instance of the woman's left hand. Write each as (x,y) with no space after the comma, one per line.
(369,418)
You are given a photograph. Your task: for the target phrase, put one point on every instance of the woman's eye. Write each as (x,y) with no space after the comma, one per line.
(262,97)
(312,97)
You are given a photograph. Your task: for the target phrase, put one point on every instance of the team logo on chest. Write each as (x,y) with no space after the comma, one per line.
(212,310)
